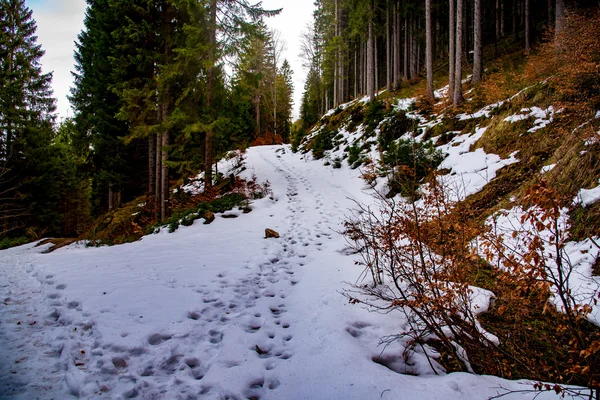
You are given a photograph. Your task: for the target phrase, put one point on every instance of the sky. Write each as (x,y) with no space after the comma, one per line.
(60,21)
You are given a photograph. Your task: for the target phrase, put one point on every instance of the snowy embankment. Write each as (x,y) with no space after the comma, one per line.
(215,311)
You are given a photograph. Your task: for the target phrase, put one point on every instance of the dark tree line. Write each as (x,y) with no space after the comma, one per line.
(356,47)
(152,93)
(162,89)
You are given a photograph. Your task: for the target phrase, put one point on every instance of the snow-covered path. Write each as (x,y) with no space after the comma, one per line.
(213,311)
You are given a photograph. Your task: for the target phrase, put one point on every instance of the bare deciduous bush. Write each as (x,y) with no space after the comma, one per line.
(420,259)
(534,260)
(416,255)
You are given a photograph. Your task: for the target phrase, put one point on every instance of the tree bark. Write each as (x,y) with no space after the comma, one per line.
(527,27)
(208,147)
(164,205)
(388,49)
(502,32)
(370,64)
(335,63)
(458,96)
(164,105)
(157,164)
(559,12)
(151,168)
(396,47)
(451,47)
(356,51)
(376,66)
(497,27)
(550,20)
(406,49)
(428,50)
(515,20)
(477,50)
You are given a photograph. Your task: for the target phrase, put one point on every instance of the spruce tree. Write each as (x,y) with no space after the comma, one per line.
(96,105)
(26,117)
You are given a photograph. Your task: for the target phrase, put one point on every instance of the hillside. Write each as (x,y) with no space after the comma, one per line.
(501,194)
(213,311)
(421,251)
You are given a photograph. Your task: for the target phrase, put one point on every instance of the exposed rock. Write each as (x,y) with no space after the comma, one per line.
(119,363)
(229,216)
(209,217)
(270,233)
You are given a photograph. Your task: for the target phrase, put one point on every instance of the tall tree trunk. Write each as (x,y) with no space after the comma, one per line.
(376,66)
(527,27)
(164,205)
(458,96)
(356,52)
(157,175)
(256,115)
(274,94)
(413,49)
(370,64)
(111,198)
(451,47)
(365,71)
(428,50)
(406,49)
(550,19)
(515,20)
(208,147)
(396,47)
(164,105)
(151,168)
(388,48)
(502,32)
(559,12)
(477,50)
(497,27)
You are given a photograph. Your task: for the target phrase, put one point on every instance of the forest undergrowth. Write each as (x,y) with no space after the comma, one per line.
(429,257)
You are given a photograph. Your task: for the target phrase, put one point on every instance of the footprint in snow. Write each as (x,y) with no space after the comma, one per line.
(158,338)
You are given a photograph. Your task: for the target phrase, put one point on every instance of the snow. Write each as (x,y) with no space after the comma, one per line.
(405,104)
(470,171)
(580,256)
(548,168)
(217,311)
(231,164)
(542,117)
(484,112)
(587,197)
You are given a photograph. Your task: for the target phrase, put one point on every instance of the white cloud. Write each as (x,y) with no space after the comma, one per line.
(58,24)
(291,22)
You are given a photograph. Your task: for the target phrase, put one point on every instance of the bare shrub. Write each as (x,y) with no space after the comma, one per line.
(428,283)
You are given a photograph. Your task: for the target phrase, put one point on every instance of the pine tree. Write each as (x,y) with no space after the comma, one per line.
(26,116)
(240,20)
(96,105)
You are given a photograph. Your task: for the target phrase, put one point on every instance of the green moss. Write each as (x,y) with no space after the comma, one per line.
(7,242)
(187,217)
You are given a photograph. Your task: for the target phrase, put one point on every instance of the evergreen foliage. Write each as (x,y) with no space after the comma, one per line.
(26,124)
